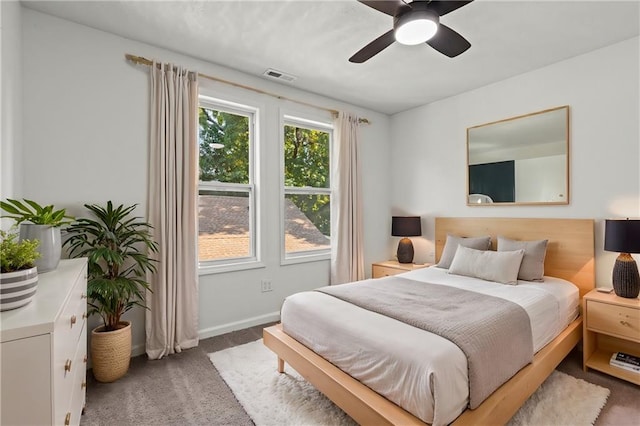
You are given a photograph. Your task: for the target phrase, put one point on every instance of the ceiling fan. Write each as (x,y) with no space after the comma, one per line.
(414,23)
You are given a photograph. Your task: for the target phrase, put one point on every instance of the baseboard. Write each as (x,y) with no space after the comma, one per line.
(140,349)
(238,325)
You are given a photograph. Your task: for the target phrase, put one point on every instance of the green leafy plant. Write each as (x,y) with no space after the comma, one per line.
(17,255)
(30,211)
(117,246)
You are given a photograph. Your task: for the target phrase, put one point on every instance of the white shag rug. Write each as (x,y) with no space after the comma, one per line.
(273,399)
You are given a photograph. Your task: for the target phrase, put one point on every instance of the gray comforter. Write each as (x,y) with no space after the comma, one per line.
(494,334)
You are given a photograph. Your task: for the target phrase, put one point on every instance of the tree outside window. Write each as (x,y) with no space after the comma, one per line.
(226,222)
(307,188)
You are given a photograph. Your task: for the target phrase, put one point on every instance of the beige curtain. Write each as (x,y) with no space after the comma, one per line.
(172,318)
(347,259)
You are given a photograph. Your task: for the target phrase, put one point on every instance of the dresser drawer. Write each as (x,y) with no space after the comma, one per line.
(615,320)
(69,350)
(78,392)
(68,383)
(79,383)
(68,331)
(74,314)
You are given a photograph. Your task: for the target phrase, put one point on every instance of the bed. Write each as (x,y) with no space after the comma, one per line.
(570,256)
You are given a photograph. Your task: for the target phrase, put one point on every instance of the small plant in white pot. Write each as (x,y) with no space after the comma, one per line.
(18,272)
(40,223)
(117,246)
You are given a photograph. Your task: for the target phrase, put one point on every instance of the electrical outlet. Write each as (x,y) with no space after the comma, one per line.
(265,285)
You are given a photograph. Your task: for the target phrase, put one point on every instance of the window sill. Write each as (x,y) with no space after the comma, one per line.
(229,267)
(303,258)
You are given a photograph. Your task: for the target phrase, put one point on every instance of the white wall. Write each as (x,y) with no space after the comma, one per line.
(428,159)
(11,95)
(86,141)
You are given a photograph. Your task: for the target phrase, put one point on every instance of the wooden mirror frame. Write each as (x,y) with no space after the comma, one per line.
(566,194)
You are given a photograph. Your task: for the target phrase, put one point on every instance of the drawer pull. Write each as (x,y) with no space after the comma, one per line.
(67,365)
(73,320)
(67,419)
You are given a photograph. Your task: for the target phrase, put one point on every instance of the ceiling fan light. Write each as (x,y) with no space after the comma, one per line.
(416,32)
(415,26)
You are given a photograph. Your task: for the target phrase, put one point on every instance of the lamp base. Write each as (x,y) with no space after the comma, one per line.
(625,279)
(405,251)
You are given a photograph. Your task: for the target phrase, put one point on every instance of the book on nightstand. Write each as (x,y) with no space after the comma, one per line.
(626,358)
(626,361)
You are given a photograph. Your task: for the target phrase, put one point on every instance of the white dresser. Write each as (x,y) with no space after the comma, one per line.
(44,351)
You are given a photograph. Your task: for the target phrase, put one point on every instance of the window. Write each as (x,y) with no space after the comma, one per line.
(307,188)
(226,209)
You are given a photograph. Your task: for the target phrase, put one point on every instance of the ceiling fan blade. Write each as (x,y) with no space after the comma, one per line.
(443,7)
(387,6)
(448,42)
(373,48)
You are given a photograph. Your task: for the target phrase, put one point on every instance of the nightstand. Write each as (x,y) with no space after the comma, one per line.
(393,267)
(611,324)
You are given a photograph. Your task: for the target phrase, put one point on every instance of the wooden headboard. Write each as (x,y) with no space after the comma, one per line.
(570,251)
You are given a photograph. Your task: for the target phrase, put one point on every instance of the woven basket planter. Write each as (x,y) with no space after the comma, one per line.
(110,352)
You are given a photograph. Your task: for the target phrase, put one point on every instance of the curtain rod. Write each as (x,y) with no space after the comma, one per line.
(145,61)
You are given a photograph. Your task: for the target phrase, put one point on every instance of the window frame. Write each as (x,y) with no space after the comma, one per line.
(315,123)
(251,188)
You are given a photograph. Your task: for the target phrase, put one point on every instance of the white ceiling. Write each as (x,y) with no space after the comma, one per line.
(314,39)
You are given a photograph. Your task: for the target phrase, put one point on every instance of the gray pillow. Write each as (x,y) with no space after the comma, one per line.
(532,267)
(498,266)
(452,243)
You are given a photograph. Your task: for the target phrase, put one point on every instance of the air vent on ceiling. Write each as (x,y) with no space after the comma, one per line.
(279,75)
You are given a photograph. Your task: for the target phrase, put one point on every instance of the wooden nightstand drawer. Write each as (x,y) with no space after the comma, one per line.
(614,320)
(392,267)
(384,271)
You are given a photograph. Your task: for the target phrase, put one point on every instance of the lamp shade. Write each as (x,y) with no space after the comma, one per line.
(406,226)
(622,235)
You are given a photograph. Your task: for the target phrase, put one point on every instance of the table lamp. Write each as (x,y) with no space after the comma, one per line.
(405,226)
(623,236)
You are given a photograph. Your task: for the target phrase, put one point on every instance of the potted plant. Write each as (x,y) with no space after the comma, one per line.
(117,247)
(18,272)
(40,223)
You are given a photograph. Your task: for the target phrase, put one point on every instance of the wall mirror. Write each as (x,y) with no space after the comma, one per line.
(520,160)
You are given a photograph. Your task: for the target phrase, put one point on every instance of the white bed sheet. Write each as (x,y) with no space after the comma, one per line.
(420,371)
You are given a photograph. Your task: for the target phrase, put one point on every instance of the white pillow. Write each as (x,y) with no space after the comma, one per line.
(499,266)
(452,243)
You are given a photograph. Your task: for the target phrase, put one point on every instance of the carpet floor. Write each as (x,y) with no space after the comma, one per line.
(273,399)
(184,389)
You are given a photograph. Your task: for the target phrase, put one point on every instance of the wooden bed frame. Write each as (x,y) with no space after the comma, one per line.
(570,255)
